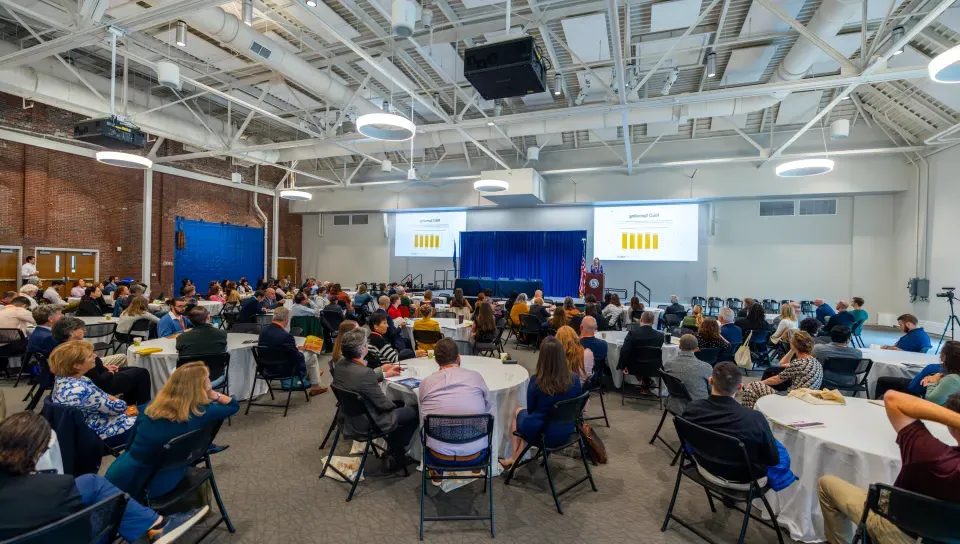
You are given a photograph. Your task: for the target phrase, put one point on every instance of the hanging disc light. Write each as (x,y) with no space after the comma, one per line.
(386,125)
(804,168)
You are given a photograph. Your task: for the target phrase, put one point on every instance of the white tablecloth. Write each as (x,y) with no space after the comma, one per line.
(895,363)
(858,444)
(241,372)
(614,341)
(450,328)
(212,306)
(508,391)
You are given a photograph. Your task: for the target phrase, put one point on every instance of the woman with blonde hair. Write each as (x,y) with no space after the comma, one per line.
(137,308)
(185,403)
(579,359)
(426,323)
(693,320)
(788,320)
(346,325)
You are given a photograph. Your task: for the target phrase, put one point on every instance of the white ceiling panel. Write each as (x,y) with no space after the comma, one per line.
(947,94)
(799,108)
(951,19)
(666,128)
(500,144)
(471,4)
(598,135)
(761,21)
(687,52)
(587,37)
(675,14)
(747,65)
(444,55)
(726,123)
(876,9)
(544,140)
(845,44)
(307,16)
(394,72)
(595,91)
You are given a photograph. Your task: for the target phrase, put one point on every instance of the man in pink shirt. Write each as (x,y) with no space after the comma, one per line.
(453,390)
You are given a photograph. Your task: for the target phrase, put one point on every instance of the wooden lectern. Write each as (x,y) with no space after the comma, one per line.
(593,285)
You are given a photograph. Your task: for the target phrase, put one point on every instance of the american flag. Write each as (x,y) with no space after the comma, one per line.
(583,273)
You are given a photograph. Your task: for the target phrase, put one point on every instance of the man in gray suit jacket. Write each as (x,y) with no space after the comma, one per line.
(392,417)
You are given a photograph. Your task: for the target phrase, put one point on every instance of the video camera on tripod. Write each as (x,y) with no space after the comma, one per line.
(947,292)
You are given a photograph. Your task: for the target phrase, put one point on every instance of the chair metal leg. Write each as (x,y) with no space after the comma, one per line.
(333,424)
(586,465)
(659,426)
(289,394)
(676,457)
(356,479)
(252,389)
(713,508)
(773,518)
(220,505)
(23,364)
(489,479)
(30,391)
(333,448)
(423,493)
(270,389)
(553,489)
(673,500)
(513,467)
(746,517)
(603,407)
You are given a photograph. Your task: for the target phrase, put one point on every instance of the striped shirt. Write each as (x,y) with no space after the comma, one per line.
(381,349)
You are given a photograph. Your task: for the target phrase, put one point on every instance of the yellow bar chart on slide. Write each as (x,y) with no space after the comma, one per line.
(426,240)
(639,241)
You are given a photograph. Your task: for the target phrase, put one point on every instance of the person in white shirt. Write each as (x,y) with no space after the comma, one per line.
(29,269)
(79,289)
(303,307)
(52,295)
(788,320)
(613,311)
(30,292)
(16,315)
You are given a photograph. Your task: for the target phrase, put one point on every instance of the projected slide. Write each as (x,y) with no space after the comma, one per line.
(428,234)
(646,233)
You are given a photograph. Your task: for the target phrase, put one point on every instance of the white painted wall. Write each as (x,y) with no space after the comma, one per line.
(345,254)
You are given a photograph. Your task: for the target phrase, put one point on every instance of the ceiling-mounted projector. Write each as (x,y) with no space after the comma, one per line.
(505,69)
(111,132)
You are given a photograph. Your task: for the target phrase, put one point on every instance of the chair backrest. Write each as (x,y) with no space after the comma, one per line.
(647,362)
(100,330)
(845,370)
(333,318)
(530,324)
(734,304)
(97,523)
(716,449)
(217,363)
(445,314)
(458,429)
(785,301)
(181,451)
(354,404)
(564,412)
(771,306)
(701,301)
(675,387)
(427,337)
(296,331)
(246,328)
(857,328)
(931,520)
(671,320)
(264,319)
(140,325)
(715,302)
(275,363)
(575,322)
(807,307)
(662,306)
(708,355)
(759,337)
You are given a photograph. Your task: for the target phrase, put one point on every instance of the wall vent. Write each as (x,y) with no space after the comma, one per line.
(774,208)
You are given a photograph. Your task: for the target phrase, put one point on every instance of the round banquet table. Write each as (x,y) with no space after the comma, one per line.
(450,328)
(614,340)
(858,444)
(241,371)
(896,364)
(508,391)
(212,306)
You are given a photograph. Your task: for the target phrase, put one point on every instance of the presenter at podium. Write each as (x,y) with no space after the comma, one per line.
(596,268)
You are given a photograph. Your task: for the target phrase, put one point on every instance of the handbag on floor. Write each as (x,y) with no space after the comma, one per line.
(743,357)
(596,451)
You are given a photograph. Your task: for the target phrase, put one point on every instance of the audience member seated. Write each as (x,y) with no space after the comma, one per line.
(173,321)
(185,403)
(394,310)
(755,321)
(268,301)
(380,352)
(52,295)
(189,293)
(34,499)
(233,296)
(362,297)
(728,329)
(250,308)
(427,298)
(121,297)
(184,284)
(454,391)
(7,298)
(709,336)
(915,339)
(79,288)
(425,323)
(399,422)
(824,311)
(588,339)
(859,314)
(843,318)
(110,372)
(216,294)
(485,326)
(29,291)
(394,331)
(747,303)
(839,346)
(580,360)
(88,304)
(108,416)
(591,309)
(519,308)
(929,467)
(42,341)
(803,371)
(481,298)
(694,373)
(636,308)
(720,412)
(639,337)
(551,383)
(275,336)
(404,299)
(560,319)
(137,309)
(460,305)
(110,285)
(940,386)
(202,338)
(788,321)
(676,308)
(693,320)
(15,315)
(303,306)
(540,310)
(811,326)
(569,308)
(613,311)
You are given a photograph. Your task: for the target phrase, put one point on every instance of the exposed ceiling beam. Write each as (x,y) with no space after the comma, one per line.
(845,63)
(614,17)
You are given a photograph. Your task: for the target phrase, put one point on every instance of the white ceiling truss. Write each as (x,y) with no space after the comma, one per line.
(295,103)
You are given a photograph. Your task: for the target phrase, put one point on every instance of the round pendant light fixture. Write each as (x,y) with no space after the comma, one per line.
(490,185)
(126,160)
(386,126)
(945,67)
(295,194)
(804,168)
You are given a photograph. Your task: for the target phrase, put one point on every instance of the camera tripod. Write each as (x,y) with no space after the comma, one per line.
(951,321)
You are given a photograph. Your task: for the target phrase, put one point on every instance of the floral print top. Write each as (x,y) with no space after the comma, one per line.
(106,417)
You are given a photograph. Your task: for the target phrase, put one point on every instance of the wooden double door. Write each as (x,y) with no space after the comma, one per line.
(9,269)
(67,265)
(287,266)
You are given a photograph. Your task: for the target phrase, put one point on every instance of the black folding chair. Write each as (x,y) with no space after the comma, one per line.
(708,355)
(25,367)
(719,450)
(336,415)
(354,405)
(759,349)
(44,382)
(595,384)
(735,304)
(246,328)
(103,334)
(856,331)
(771,306)
(670,321)
(924,518)
(486,343)
(101,521)
(139,329)
(218,365)
(264,320)
(575,322)
(713,306)
(428,338)
(530,329)
(563,413)
(228,315)
(14,346)
(807,308)
(698,301)
(187,450)
(274,364)
(678,391)
(647,364)
(457,430)
(847,374)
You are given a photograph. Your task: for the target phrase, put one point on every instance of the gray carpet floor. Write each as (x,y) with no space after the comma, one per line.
(269,482)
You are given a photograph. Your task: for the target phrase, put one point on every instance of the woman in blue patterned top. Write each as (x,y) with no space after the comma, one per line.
(108,416)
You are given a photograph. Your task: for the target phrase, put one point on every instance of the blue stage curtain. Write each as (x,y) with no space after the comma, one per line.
(215,251)
(552,256)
